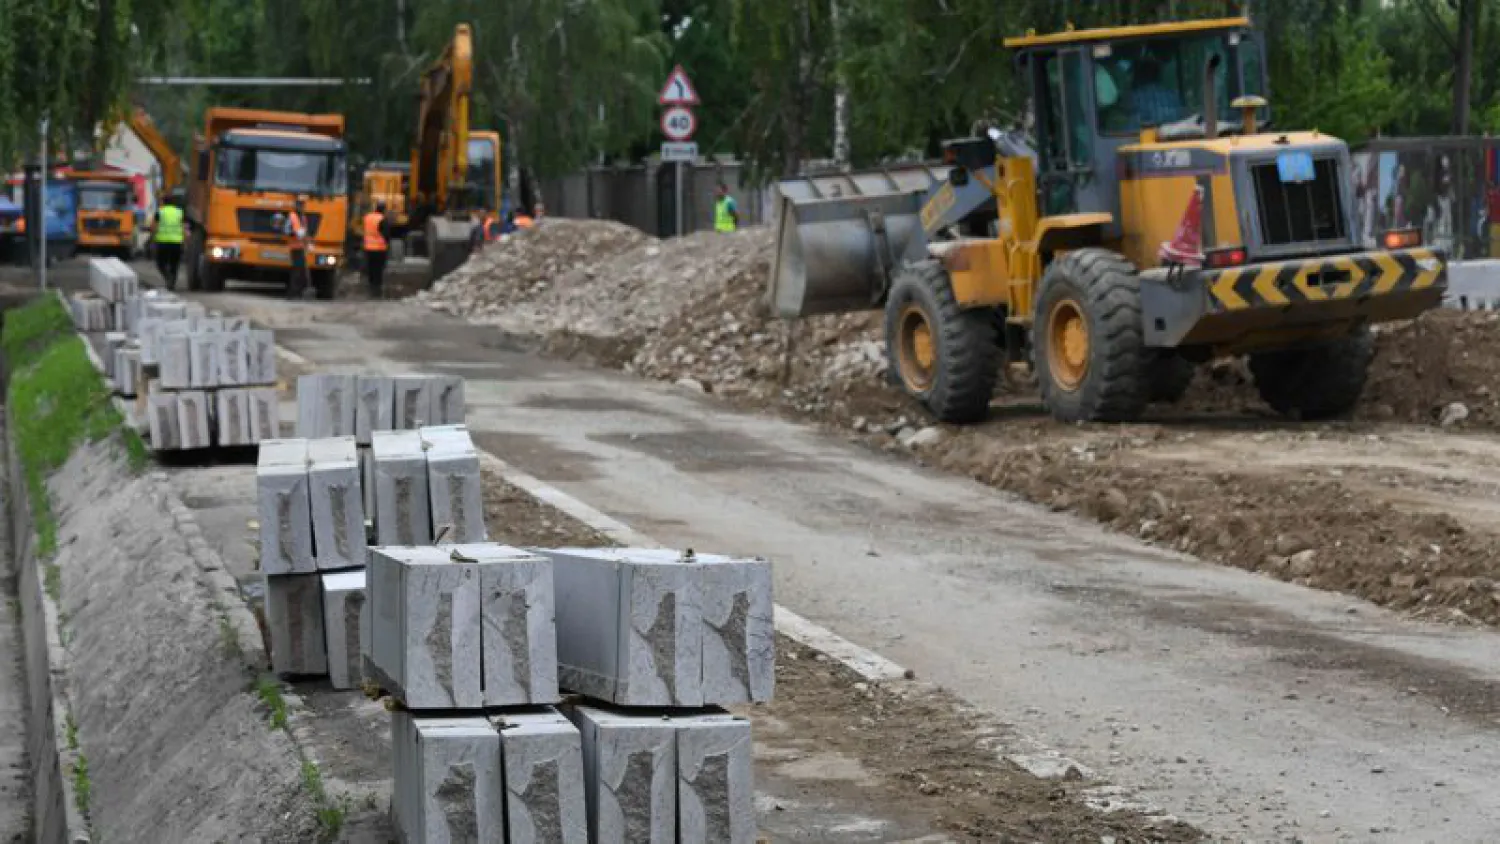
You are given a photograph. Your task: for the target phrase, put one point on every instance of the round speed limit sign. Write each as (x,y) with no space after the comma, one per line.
(678,123)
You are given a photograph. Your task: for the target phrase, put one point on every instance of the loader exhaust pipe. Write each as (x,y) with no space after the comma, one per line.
(1210,98)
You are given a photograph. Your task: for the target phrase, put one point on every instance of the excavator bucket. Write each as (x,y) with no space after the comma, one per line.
(838,235)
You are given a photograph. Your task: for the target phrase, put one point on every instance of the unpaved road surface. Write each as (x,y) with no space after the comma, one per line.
(1252,707)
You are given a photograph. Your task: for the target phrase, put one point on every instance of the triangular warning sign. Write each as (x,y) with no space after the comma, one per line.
(678,90)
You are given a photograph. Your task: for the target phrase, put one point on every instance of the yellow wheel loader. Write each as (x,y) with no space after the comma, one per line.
(1158,221)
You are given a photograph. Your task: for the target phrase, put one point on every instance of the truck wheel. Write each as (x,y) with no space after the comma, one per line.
(1088,346)
(194,259)
(325,283)
(1168,375)
(1319,382)
(212,276)
(942,355)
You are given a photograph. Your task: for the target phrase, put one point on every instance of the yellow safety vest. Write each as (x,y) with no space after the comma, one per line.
(169,224)
(723,220)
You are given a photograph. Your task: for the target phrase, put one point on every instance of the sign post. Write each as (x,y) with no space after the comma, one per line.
(678,125)
(42,208)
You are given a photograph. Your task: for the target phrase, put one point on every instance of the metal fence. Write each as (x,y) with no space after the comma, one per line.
(644,195)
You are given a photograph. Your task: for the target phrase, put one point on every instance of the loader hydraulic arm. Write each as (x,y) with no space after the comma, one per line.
(439,159)
(172,170)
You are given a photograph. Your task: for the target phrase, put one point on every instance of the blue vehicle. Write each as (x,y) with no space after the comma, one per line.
(62,218)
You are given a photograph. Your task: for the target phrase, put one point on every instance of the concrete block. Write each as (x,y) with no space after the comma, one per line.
(163,421)
(114,341)
(294,619)
(412,401)
(165,309)
(234,358)
(192,415)
(127,371)
(447,785)
(374,409)
(338,513)
(262,358)
(192,311)
(325,406)
(208,324)
(433,660)
(231,418)
(543,761)
(112,279)
(263,413)
(715,781)
(367,485)
(628,628)
(447,395)
(284,508)
(91,313)
(146,330)
(403,514)
(454,483)
(739,633)
(343,605)
(174,354)
(516,608)
(204,347)
(629,776)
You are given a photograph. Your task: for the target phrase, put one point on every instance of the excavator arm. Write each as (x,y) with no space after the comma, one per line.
(144,127)
(439,158)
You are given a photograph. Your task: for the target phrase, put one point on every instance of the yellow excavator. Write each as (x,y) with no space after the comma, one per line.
(1157,222)
(455,174)
(173,170)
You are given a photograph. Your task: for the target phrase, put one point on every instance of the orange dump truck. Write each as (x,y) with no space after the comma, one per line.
(106,212)
(249,169)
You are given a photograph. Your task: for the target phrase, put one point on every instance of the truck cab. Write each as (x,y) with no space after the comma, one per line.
(250,169)
(106,212)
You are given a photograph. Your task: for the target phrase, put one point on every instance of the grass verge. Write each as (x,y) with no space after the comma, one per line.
(81,785)
(56,401)
(330,813)
(269,692)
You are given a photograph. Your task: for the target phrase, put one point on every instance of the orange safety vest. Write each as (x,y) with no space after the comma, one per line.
(491,228)
(299,229)
(523,221)
(374,242)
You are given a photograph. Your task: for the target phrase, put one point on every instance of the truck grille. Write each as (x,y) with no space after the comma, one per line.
(101,224)
(264,221)
(1310,212)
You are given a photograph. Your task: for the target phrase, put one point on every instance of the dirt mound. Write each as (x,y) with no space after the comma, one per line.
(1426,369)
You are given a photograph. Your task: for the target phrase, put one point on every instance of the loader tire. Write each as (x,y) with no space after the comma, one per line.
(941,354)
(1317,382)
(1168,375)
(1088,345)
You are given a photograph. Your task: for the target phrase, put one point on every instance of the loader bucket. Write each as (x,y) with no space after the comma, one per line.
(829,252)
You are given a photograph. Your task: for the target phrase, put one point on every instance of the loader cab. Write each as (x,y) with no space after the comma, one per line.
(1094,92)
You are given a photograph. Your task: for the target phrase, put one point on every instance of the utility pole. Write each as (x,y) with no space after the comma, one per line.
(42,209)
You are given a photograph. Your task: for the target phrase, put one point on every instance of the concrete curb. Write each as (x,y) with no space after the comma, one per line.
(55,816)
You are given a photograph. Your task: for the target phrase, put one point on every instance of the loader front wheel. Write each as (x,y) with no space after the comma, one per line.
(1318,382)
(942,355)
(1089,352)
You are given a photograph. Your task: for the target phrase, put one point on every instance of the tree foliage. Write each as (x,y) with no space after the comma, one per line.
(572,82)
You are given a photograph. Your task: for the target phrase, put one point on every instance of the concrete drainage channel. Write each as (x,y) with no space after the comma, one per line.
(157,667)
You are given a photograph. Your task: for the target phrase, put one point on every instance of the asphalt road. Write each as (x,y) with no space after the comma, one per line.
(1253,708)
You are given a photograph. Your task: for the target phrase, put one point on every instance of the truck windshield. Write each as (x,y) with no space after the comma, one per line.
(103,196)
(482,172)
(280,171)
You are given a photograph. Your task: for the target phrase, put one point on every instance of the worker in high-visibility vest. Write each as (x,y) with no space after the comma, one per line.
(296,229)
(377,247)
(167,233)
(726,212)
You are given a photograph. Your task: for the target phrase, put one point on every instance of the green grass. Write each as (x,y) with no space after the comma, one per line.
(81,785)
(270,694)
(71,728)
(330,814)
(52,582)
(57,401)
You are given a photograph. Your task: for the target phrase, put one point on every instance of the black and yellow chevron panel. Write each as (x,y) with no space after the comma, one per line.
(1325,279)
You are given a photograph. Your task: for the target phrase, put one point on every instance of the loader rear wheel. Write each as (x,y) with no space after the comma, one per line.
(941,354)
(1318,382)
(1090,353)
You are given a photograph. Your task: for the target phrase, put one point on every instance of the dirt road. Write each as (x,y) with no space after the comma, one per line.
(1252,707)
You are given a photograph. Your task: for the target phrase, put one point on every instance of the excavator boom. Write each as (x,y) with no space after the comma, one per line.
(439,161)
(172,170)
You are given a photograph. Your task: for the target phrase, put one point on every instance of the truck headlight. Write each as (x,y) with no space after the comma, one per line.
(328,260)
(223,253)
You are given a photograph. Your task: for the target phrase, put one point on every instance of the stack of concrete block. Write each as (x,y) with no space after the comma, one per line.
(652,627)
(426,487)
(102,307)
(467,630)
(91,313)
(453,481)
(666,777)
(312,526)
(204,355)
